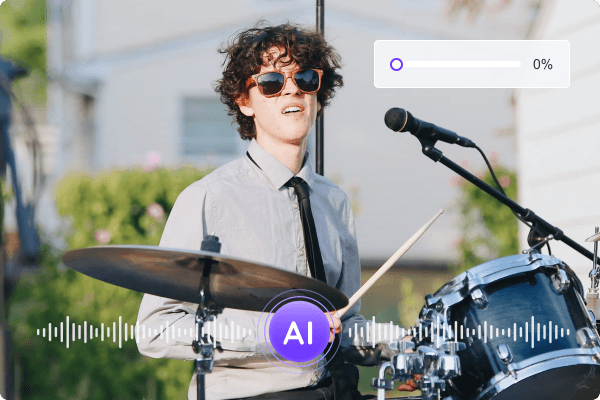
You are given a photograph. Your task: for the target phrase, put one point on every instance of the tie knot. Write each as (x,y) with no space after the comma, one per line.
(299,186)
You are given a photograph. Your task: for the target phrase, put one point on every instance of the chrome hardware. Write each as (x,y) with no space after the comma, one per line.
(586,338)
(560,281)
(449,364)
(504,353)
(453,347)
(534,248)
(479,298)
(594,274)
(382,384)
(402,346)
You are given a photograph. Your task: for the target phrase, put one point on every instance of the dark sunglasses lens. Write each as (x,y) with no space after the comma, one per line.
(270,83)
(307,81)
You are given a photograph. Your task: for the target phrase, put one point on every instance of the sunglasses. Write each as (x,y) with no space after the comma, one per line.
(270,84)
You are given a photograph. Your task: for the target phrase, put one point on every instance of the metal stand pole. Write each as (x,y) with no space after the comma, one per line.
(207,310)
(320,126)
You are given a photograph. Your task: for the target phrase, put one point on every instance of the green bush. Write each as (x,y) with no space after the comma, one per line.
(117,207)
(489,229)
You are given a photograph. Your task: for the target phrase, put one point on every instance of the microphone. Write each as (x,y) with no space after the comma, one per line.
(400,120)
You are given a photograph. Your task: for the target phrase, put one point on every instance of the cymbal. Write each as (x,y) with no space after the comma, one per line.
(176,274)
(593,238)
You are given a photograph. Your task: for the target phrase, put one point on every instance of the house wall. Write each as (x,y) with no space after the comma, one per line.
(558,134)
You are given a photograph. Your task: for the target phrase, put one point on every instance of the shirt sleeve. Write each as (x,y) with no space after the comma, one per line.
(167,325)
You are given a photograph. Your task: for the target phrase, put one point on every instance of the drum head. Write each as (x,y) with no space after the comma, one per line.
(575,382)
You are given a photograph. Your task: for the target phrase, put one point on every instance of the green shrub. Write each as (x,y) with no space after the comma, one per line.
(117,207)
(489,229)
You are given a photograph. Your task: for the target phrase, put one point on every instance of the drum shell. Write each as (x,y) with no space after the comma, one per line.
(516,299)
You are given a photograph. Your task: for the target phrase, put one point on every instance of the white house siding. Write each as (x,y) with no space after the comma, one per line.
(559,134)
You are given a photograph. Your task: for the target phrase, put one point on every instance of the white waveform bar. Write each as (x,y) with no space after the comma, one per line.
(126,332)
(372,332)
(391,332)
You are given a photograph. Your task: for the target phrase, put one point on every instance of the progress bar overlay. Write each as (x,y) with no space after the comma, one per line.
(472,64)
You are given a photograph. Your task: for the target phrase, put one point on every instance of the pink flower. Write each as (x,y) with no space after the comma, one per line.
(464,163)
(455,180)
(102,236)
(152,161)
(494,158)
(504,181)
(155,211)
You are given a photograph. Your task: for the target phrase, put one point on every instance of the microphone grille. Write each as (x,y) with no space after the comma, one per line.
(395,119)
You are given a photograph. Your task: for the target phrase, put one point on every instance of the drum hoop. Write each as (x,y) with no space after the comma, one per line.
(503,381)
(461,287)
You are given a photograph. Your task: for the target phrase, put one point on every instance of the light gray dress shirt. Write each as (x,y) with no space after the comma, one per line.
(256,217)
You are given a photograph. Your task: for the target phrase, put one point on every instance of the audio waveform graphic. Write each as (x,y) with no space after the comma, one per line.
(137,331)
(368,334)
(373,330)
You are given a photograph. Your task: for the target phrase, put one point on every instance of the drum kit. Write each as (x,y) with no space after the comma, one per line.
(477,338)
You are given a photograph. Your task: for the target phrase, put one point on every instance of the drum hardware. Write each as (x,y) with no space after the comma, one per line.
(207,311)
(504,353)
(479,298)
(587,338)
(560,281)
(437,366)
(592,298)
(537,243)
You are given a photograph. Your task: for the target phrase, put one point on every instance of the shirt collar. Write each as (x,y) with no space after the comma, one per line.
(275,170)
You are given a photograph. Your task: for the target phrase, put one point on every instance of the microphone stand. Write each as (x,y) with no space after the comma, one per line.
(541,229)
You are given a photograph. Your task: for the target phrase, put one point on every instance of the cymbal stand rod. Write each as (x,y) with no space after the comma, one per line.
(206,312)
(595,270)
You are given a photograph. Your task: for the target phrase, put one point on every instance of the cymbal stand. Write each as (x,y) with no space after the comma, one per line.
(593,302)
(207,310)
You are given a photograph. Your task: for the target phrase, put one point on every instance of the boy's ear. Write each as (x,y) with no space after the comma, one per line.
(244,104)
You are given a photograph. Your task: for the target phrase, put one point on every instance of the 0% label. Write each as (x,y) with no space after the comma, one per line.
(537,63)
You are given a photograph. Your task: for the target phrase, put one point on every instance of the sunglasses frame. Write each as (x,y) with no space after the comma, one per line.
(286,74)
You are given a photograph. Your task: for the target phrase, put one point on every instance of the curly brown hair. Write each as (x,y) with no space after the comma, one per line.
(244,57)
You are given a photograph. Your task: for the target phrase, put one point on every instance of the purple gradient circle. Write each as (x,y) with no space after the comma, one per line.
(392,64)
(306,328)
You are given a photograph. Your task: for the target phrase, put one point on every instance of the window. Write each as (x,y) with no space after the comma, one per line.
(207,130)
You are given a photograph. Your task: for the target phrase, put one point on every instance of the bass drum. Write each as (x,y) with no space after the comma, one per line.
(527,331)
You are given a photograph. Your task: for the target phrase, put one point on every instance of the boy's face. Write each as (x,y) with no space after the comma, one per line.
(271,121)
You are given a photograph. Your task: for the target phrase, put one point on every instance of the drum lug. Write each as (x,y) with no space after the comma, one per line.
(431,301)
(586,338)
(504,353)
(479,298)
(560,281)
(385,384)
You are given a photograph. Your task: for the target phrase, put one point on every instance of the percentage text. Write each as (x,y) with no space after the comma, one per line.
(537,63)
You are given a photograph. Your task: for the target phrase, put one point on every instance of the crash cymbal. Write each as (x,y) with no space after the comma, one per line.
(593,238)
(176,274)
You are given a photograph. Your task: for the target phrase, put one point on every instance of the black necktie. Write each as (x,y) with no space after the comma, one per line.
(311,241)
(344,376)
(339,372)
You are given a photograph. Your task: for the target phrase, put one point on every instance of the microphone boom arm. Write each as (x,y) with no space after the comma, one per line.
(539,224)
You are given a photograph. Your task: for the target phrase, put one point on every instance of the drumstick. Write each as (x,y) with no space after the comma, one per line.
(383,269)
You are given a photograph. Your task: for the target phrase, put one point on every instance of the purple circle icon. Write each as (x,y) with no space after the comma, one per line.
(392,64)
(299,331)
